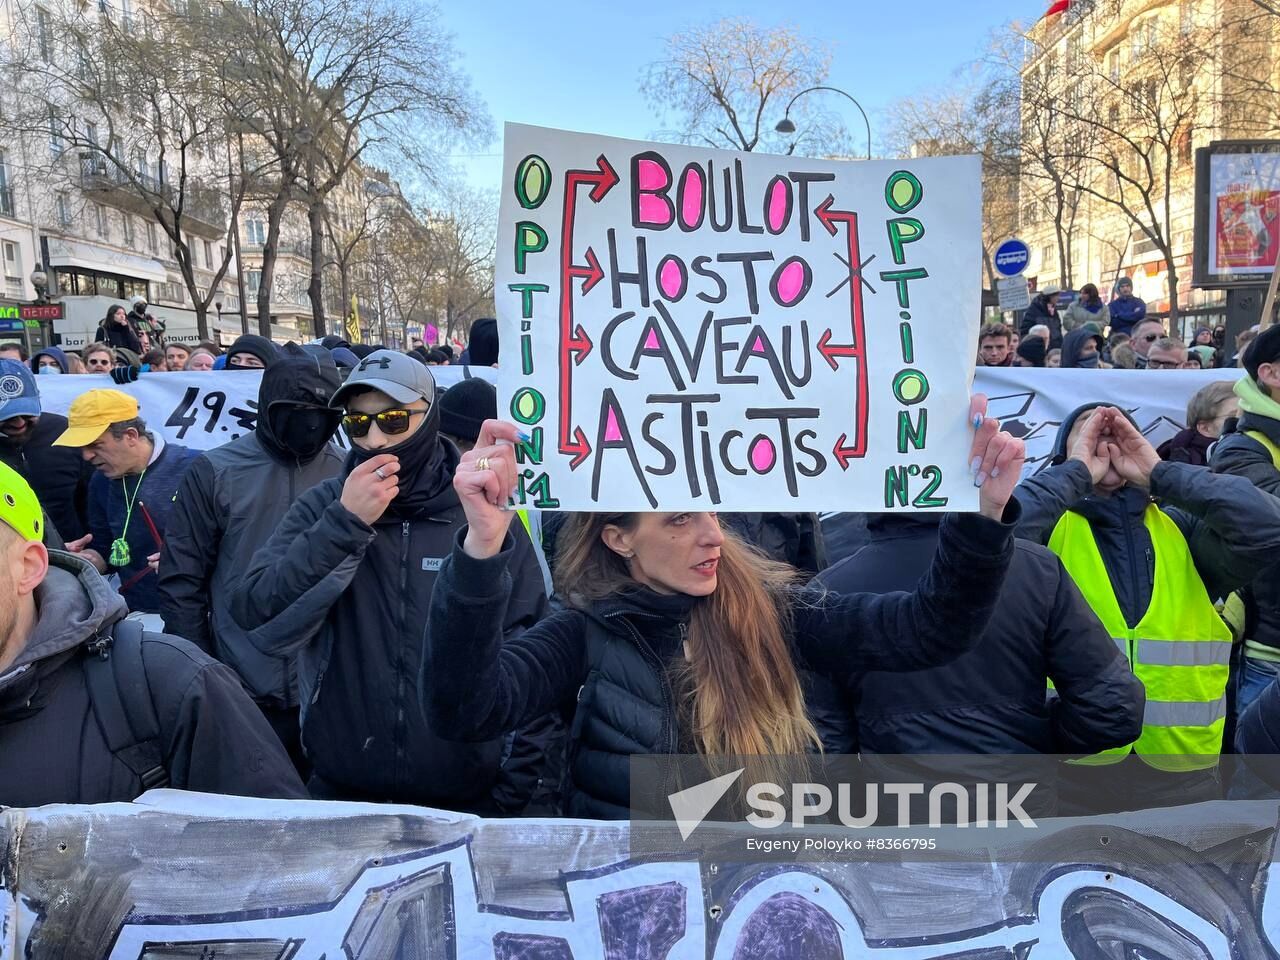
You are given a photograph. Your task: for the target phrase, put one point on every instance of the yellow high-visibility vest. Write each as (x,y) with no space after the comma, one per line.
(1263,439)
(1180,650)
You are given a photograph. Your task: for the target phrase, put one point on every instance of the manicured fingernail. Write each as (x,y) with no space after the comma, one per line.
(523,436)
(974,464)
(995,472)
(977,420)
(980,479)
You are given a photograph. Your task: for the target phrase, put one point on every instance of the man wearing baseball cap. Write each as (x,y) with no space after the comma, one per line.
(95,710)
(132,492)
(344,584)
(1252,450)
(59,476)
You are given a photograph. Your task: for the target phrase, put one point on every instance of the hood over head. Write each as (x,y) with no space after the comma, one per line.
(74,604)
(297,377)
(257,346)
(1073,343)
(483,347)
(1064,431)
(54,352)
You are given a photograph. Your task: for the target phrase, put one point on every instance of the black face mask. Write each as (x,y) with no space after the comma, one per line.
(1089,361)
(302,429)
(426,467)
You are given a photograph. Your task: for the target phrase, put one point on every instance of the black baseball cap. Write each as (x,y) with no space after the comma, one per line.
(1265,348)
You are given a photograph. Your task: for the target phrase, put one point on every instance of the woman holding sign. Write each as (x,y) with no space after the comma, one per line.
(678,638)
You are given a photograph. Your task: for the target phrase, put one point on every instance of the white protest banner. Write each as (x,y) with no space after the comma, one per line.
(695,328)
(1031,402)
(178,875)
(201,410)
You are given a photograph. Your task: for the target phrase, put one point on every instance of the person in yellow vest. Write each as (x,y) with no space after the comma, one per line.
(1252,450)
(1152,545)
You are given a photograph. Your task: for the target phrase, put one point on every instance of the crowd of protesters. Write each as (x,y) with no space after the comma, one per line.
(371,623)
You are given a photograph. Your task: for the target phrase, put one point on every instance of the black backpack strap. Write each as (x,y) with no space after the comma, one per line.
(121,697)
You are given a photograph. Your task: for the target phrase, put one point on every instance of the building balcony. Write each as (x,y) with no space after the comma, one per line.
(7,208)
(297,249)
(202,211)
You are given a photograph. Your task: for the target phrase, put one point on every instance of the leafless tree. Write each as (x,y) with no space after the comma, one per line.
(325,85)
(726,84)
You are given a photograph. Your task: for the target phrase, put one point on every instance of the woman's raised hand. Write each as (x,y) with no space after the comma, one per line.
(995,460)
(484,482)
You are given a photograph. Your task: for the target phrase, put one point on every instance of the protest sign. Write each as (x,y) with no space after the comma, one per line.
(178,875)
(687,328)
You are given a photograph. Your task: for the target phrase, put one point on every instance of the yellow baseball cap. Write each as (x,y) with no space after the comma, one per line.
(93,412)
(19,507)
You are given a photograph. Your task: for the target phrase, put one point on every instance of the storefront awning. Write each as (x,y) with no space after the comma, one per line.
(90,256)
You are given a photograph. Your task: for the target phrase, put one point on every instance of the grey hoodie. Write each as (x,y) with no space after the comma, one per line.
(52,749)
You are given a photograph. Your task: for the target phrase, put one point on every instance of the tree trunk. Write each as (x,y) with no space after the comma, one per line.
(1174,309)
(315,288)
(275,214)
(344,291)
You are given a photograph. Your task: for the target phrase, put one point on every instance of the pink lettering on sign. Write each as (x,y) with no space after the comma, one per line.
(763,454)
(672,278)
(691,197)
(758,346)
(612,432)
(650,343)
(779,204)
(792,283)
(652,179)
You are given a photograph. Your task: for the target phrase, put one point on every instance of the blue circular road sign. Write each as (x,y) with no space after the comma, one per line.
(1012,257)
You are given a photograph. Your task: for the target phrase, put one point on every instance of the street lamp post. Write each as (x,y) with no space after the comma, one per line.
(786,125)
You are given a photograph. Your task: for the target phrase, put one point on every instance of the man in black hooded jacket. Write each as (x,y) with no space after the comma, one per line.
(345,584)
(227,507)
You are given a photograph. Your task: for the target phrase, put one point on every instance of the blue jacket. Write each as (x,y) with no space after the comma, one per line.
(107,511)
(1127,313)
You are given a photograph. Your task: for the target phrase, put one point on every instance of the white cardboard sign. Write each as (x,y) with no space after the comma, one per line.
(687,328)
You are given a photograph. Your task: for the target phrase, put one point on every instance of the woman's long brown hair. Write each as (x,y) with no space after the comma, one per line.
(739,690)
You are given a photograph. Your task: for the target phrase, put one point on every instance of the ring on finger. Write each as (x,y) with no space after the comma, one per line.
(379,474)
(482,463)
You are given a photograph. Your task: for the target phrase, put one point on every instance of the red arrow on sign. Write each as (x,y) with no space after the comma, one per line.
(831,350)
(579,447)
(844,454)
(591,274)
(578,345)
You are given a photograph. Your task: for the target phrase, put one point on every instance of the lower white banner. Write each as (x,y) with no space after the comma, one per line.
(179,876)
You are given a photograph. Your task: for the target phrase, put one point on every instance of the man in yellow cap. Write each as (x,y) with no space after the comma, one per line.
(131,494)
(93,709)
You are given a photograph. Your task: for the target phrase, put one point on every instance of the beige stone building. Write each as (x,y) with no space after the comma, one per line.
(1116,97)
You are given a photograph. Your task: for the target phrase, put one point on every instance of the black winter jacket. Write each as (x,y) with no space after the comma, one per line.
(991,699)
(52,748)
(59,475)
(1245,457)
(118,336)
(1233,529)
(1258,732)
(1038,312)
(226,509)
(478,682)
(349,601)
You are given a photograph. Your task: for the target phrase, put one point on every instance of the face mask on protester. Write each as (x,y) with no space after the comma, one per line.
(50,369)
(1089,361)
(302,429)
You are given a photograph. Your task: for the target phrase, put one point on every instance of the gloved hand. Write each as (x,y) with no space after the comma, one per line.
(125,374)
